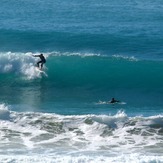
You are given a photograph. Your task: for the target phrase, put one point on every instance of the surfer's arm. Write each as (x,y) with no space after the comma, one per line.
(36,55)
(115,101)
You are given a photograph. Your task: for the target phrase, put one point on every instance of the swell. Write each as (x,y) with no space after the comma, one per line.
(103,43)
(79,77)
(107,72)
(75,69)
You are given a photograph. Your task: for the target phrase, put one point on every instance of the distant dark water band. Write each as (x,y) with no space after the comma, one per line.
(117,43)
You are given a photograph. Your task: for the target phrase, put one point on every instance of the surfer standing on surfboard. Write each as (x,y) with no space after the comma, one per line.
(42,62)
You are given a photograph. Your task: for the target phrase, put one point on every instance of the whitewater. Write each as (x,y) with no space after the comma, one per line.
(43,137)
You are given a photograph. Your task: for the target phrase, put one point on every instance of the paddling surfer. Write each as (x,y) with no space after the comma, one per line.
(113,101)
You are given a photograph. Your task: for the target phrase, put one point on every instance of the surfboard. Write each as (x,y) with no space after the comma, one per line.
(38,69)
(41,71)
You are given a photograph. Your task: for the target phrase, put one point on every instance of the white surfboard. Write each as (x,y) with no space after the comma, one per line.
(41,71)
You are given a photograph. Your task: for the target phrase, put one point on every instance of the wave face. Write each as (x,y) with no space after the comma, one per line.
(84,69)
(85,137)
(90,78)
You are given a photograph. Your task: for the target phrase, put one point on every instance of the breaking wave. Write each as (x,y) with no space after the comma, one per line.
(95,133)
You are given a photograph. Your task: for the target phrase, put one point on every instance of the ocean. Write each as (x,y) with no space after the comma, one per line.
(95,51)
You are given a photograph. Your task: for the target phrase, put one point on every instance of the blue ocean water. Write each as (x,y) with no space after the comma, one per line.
(95,50)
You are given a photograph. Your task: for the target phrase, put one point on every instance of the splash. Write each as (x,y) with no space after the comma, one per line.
(20,64)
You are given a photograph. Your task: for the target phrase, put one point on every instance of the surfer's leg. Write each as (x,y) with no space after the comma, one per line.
(42,65)
(38,63)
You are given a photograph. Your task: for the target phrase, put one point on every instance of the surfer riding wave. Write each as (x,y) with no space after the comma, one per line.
(42,61)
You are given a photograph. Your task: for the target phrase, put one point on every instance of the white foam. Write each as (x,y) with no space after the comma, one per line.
(108,103)
(109,134)
(112,120)
(131,158)
(74,54)
(19,63)
(132,58)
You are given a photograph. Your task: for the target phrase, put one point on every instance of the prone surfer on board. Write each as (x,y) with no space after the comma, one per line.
(113,101)
(42,62)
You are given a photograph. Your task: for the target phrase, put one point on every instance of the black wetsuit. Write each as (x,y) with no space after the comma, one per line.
(113,101)
(43,60)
